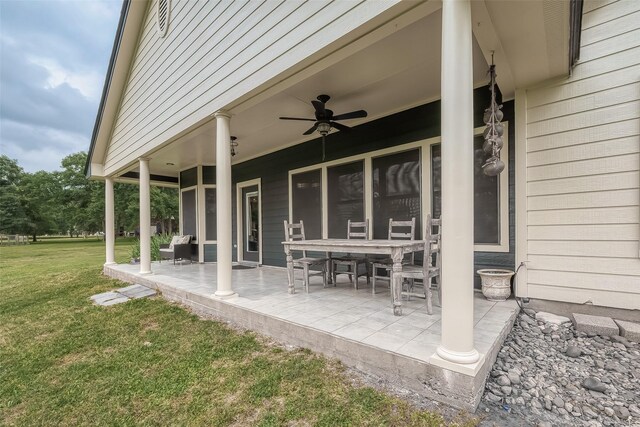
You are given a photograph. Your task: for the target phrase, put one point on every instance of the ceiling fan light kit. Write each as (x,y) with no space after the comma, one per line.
(325,120)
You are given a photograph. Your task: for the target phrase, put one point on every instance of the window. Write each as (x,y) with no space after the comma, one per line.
(345,193)
(306,202)
(396,190)
(399,182)
(210,214)
(487,194)
(188,215)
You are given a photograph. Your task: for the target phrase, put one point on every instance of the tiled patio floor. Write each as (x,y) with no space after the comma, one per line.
(341,311)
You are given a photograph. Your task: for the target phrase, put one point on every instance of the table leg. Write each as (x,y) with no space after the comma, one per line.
(290,273)
(329,268)
(396,282)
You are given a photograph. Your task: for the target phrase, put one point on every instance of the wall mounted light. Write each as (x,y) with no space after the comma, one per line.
(234,146)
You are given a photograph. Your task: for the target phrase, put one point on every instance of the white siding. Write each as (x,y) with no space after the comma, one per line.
(214,53)
(582,175)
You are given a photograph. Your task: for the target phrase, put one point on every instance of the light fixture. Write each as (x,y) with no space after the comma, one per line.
(234,146)
(170,164)
(324,128)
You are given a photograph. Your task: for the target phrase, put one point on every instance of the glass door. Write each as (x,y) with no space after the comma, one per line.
(251,224)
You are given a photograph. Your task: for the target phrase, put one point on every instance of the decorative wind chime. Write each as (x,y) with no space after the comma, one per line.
(493,133)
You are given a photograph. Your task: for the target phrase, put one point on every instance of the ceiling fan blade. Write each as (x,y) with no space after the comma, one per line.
(352,115)
(297,118)
(340,126)
(311,130)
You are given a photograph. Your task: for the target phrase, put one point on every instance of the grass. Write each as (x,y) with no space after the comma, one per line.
(64,361)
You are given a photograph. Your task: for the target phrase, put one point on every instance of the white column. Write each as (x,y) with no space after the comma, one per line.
(145,217)
(457,184)
(109,222)
(223,204)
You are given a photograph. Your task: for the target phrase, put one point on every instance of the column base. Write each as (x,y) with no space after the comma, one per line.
(225,294)
(468,363)
(110,263)
(144,273)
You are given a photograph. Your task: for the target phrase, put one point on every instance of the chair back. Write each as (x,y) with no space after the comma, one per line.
(398,231)
(358,230)
(432,244)
(294,232)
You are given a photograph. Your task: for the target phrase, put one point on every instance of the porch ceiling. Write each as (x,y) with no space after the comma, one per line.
(394,73)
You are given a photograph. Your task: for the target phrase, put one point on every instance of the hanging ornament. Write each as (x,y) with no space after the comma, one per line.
(494,130)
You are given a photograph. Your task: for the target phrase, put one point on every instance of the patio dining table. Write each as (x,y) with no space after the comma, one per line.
(395,249)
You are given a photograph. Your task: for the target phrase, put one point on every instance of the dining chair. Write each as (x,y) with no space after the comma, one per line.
(397,231)
(295,232)
(355,230)
(427,271)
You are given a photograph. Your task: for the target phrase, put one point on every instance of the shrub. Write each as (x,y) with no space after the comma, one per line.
(156,241)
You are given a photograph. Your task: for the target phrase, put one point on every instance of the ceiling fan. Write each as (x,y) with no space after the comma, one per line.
(325,120)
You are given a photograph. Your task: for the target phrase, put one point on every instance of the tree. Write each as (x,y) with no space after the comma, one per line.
(12,216)
(81,205)
(40,195)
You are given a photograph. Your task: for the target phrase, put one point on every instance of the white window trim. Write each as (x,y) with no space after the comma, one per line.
(240,221)
(425,180)
(182,190)
(204,212)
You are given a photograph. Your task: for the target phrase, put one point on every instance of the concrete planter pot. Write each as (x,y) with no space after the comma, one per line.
(496,283)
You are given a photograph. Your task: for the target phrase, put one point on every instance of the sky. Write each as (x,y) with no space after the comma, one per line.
(53,59)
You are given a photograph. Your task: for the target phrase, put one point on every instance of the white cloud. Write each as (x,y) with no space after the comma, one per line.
(88,83)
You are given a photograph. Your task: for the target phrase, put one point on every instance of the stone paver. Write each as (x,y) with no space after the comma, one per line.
(551,318)
(122,295)
(118,300)
(105,297)
(599,325)
(136,291)
(629,330)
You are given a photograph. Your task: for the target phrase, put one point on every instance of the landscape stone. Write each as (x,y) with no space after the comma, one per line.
(594,384)
(629,330)
(503,380)
(554,319)
(600,325)
(573,351)
(549,379)
(622,412)
(558,402)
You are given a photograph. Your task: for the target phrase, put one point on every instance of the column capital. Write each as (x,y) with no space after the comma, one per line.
(144,159)
(222,113)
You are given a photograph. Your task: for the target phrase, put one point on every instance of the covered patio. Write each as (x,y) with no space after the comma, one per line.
(354,326)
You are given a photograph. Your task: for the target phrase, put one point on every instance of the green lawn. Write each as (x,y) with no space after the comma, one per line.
(64,361)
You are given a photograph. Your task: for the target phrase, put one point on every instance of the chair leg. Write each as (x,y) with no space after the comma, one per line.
(305,277)
(429,301)
(334,273)
(439,289)
(354,274)
(373,281)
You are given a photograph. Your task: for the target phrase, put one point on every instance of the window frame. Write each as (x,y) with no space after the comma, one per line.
(183,190)
(425,183)
(503,189)
(204,213)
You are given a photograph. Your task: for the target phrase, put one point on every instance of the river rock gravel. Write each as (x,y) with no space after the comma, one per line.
(535,382)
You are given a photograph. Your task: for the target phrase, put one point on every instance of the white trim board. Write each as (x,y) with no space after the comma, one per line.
(239,220)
